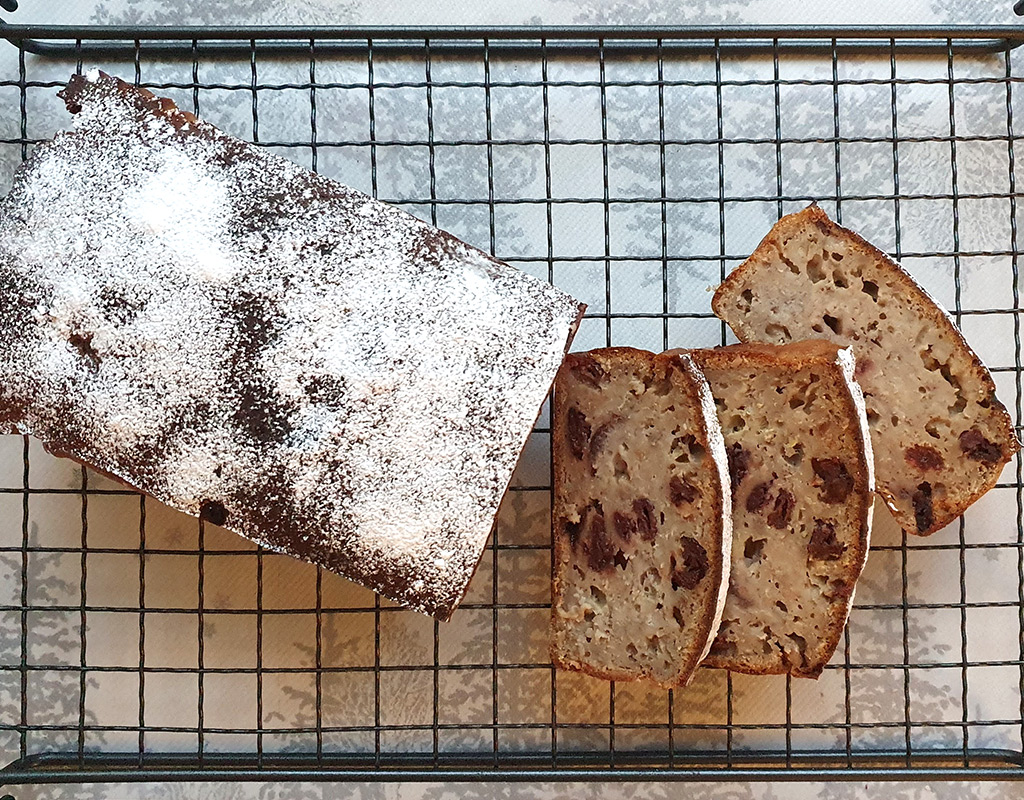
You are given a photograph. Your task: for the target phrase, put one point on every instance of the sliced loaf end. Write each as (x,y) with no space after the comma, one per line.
(941,437)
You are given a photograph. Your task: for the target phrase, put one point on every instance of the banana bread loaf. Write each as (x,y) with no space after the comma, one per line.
(262,347)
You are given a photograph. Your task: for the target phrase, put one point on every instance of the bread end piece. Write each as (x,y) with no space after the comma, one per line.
(941,437)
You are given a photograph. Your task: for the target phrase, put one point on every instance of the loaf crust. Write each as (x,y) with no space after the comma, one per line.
(940,435)
(796,435)
(642,526)
(264,348)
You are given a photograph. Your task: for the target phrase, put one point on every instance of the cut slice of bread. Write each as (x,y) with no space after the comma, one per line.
(642,526)
(940,436)
(799,454)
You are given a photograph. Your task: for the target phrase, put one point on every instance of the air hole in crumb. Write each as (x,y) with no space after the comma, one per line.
(621,467)
(631,649)
(779,333)
(598,595)
(894,420)
(747,295)
(817,328)
(693,450)
(800,642)
(839,280)
(932,429)
(753,548)
(814,270)
(833,322)
(588,616)
(872,416)
(662,387)
(736,423)
(781,606)
(870,288)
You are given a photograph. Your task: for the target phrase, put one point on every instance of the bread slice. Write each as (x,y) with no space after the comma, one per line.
(799,454)
(642,528)
(940,436)
(259,346)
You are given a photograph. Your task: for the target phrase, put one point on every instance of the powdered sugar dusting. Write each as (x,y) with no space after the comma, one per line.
(249,341)
(187,210)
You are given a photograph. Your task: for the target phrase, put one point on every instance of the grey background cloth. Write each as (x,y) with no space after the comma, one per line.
(632,284)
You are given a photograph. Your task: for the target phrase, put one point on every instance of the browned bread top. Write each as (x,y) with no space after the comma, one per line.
(260,346)
(802,486)
(641,516)
(940,436)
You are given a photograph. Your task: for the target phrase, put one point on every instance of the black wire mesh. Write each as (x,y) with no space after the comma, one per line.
(636,178)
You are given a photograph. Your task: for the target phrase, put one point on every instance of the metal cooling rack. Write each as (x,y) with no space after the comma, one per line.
(491,706)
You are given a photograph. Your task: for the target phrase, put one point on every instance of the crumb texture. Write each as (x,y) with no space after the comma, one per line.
(802,492)
(258,345)
(940,435)
(641,520)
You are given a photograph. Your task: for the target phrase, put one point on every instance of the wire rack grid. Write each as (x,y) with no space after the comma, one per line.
(635,168)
